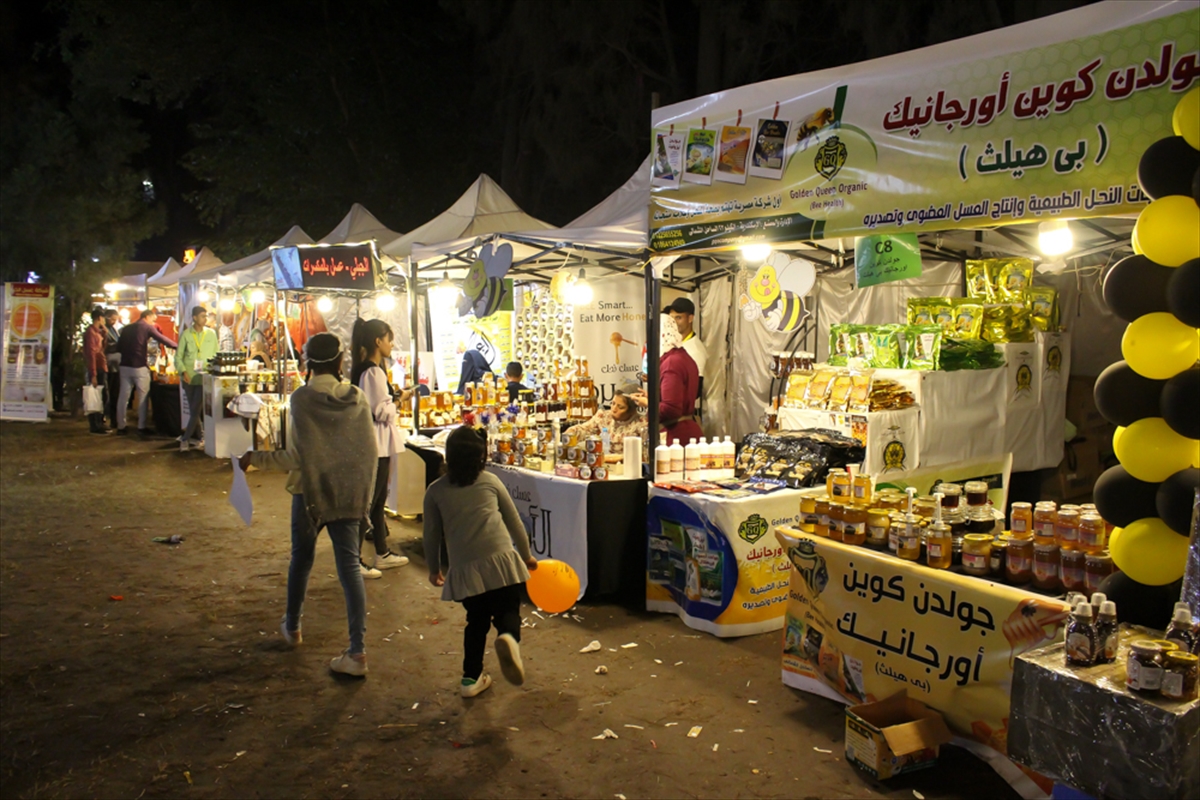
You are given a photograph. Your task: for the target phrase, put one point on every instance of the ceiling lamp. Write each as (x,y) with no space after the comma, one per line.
(581,291)
(385,301)
(1055,238)
(324,304)
(444,295)
(257,296)
(203,296)
(227,304)
(756,252)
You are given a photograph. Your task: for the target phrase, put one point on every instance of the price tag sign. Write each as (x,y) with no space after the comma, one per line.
(886,257)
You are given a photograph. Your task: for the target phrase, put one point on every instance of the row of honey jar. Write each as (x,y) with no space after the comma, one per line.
(1069,527)
(858,489)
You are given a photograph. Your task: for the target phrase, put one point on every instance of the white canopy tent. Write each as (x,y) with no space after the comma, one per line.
(257,268)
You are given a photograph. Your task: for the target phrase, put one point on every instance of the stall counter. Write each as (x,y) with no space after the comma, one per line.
(714,562)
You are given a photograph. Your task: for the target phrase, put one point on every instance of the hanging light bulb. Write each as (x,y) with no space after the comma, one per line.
(581,291)
(1054,237)
(227,304)
(324,304)
(756,252)
(385,301)
(445,294)
(257,296)
(203,296)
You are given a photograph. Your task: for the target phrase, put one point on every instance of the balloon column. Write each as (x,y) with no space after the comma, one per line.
(1153,395)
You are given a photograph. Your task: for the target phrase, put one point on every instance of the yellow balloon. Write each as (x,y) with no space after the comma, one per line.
(1150,451)
(1149,552)
(1186,119)
(1133,240)
(1158,346)
(1113,535)
(1168,230)
(1117,436)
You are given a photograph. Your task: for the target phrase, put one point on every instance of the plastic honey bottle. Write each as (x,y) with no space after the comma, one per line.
(1081,637)
(938,542)
(677,456)
(691,461)
(662,460)
(728,458)
(909,546)
(1106,633)
(1181,630)
(703,456)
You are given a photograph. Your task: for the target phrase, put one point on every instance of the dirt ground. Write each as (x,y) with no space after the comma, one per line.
(184,687)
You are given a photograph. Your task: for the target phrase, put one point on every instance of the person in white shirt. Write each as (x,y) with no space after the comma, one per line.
(683,311)
(371,342)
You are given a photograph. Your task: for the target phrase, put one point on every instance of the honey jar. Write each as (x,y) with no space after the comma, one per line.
(923,507)
(1180,673)
(998,556)
(1021,520)
(837,520)
(1097,567)
(938,546)
(1072,565)
(1092,533)
(878,526)
(976,493)
(951,495)
(1066,529)
(1018,565)
(980,520)
(862,487)
(854,529)
(1144,667)
(1043,522)
(821,527)
(909,542)
(895,532)
(977,554)
(837,484)
(1046,562)
(808,514)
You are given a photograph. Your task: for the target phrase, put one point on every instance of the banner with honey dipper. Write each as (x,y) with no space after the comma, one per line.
(860,625)
(610,332)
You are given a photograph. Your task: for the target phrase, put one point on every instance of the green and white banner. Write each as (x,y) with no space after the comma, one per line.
(1047,118)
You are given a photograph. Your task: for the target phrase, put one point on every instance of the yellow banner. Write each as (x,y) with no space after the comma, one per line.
(862,624)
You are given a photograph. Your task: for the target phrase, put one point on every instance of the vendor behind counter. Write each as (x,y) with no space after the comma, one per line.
(621,419)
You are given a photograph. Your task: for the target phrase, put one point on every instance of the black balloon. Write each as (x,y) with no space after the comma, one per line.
(1180,403)
(1136,286)
(1183,293)
(1167,166)
(1123,397)
(1175,498)
(1121,498)
(1139,604)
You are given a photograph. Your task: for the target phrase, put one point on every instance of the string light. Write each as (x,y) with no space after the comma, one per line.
(1054,237)
(257,296)
(581,291)
(324,304)
(756,252)
(385,301)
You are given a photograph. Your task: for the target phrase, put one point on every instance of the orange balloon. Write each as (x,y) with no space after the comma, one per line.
(553,586)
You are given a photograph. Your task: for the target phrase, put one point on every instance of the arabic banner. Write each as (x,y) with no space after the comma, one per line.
(28,328)
(1048,118)
(862,624)
(886,257)
(610,331)
(713,561)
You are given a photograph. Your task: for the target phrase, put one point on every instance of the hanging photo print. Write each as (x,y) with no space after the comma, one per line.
(700,156)
(734,150)
(668,160)
(770,149)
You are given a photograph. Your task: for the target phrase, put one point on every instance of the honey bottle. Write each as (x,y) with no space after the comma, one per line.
(1106,633)
(939,540)
(1081,637)
(909,547)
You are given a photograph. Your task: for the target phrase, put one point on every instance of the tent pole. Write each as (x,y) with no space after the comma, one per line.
(415,345)
(652,376)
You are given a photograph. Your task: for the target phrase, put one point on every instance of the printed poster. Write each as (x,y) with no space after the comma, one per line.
(1043,120)
(734,153)
(715,563)
(861,625)
(611,330)
(28,330)
(668,160)
(700,156)
(452,335)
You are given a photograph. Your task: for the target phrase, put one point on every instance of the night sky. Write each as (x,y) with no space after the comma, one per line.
(130,130)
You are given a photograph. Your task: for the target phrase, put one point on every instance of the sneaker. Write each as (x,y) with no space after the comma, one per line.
(509,653)
(390,561)
(471,687)
(146,431)
(348,664)
(292,638)
(183,447)
(122,431)
(370,573)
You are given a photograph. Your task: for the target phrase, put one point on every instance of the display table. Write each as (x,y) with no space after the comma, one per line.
(595,526)
(1018,408)
(860,624)
(165,408)
(714,561)
(225,434)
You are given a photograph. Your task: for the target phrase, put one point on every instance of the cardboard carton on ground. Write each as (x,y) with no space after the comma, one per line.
(894,735)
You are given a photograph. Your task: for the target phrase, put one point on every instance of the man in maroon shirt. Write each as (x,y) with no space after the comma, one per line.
(135,373)
(96,363)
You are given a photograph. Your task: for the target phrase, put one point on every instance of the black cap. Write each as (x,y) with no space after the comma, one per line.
(681,305)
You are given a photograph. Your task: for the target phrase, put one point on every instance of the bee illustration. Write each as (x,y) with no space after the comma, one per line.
(776,293)
(814,123)
(483,288)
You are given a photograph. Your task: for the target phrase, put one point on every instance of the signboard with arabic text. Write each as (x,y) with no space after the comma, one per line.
(1043,119)
(346,267)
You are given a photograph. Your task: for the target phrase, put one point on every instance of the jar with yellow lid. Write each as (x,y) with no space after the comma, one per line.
(1144,667)
(837,484)
(854,528)
(837,520)
(862,487)
(1092,532)
(1166,645)
(923,507)
(808,514)
(821,528)
(1045,567)
(890,499)
(1066,528)
(1180,673)
(1021,520)
(878,526)
(938,546)
(977,554)
(1043,522)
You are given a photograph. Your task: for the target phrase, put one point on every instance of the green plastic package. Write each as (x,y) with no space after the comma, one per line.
(922,346)
(885,343)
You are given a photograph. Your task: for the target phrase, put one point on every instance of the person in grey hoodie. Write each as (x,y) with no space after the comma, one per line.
(330,460)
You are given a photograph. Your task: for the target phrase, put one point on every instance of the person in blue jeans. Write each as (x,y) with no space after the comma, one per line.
(330,460)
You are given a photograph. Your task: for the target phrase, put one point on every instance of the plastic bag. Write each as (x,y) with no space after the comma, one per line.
(93,399)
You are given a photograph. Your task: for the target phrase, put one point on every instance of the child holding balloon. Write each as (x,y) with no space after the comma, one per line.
(469,512)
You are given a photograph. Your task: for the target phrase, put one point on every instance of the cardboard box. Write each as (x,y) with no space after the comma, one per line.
(894,735)
(1076,473)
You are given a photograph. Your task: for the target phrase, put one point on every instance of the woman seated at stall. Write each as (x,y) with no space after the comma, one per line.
(678,385)
(621,418)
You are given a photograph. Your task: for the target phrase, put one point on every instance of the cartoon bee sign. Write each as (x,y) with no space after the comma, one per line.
(484,288)
(775,295)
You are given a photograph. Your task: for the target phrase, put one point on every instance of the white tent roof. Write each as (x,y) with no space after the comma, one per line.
(256,268)
(166,275)
(483,209)
(359,225)
(203,267)
(618,224)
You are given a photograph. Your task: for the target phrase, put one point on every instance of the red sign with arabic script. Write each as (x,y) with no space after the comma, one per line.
(339,267)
